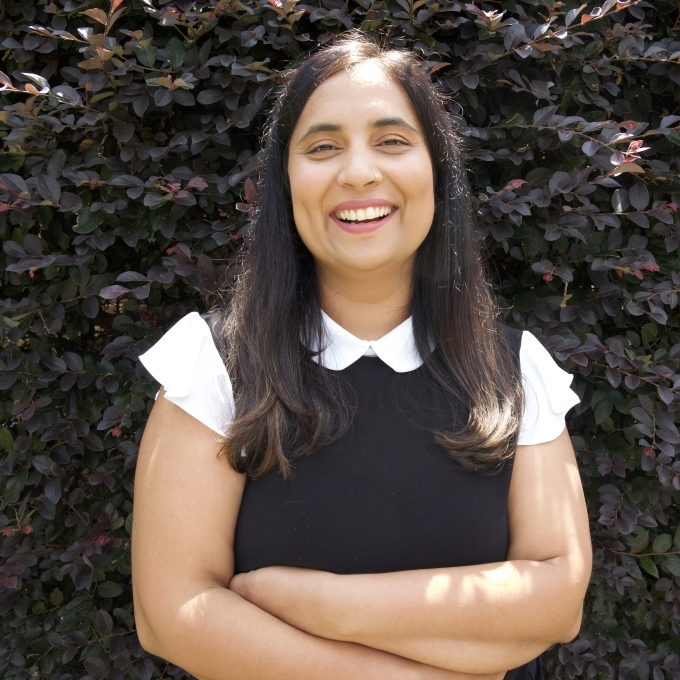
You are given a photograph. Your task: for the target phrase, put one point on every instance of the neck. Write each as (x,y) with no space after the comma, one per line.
(367,304)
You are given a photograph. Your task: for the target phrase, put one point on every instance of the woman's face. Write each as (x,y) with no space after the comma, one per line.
(361,174)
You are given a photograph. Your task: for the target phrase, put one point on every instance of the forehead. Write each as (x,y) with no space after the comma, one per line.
(364,91)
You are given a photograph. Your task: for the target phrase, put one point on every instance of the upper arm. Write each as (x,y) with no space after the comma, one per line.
(186,502)
(547,511)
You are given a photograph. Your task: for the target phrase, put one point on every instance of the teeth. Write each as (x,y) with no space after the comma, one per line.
(362,215)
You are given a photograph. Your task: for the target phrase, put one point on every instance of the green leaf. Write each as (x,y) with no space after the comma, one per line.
(6,440)
(109,589)
(71,613)
(650,332)
(68,290)
(145,51)
(647,563)
(526,301)
(516,120)
(88,221)
(673,564)
(631,565)
(533,243)
(538,176)
(79,274)
(603,411)
(103,622)
(6,162)
(662,543)
(56,597)
(176,51)
(46,665)
(591,80)
(674,136)
(641,542)
(676,538)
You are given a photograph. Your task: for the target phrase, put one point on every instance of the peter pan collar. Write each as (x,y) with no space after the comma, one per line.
(397,349)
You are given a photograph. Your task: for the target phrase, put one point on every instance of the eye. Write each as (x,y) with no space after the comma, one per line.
(395,141)
(322,147)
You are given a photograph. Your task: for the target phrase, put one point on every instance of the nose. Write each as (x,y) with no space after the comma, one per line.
(358,169)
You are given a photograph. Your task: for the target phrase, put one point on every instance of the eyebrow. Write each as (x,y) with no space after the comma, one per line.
(381,122)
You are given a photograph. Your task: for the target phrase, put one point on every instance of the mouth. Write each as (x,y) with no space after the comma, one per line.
(363,215)
(365,219)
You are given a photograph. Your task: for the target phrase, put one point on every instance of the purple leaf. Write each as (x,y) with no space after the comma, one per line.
(126,277)
(665,393)
(112,292)
(590,147)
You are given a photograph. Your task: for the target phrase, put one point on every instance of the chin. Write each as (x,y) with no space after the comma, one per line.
(362,261)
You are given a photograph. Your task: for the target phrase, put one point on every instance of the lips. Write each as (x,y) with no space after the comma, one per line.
(362,215)
(363,227)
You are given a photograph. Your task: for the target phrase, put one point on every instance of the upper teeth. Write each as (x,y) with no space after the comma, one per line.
(367,214)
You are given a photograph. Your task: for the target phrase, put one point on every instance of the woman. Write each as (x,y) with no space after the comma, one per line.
(399,498)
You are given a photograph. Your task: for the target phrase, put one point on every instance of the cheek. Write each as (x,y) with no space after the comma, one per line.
(418,187)
(420,180)
(308,185)
(308,188)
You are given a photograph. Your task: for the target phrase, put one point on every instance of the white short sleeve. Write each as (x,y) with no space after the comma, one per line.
(547,393)
(186,362)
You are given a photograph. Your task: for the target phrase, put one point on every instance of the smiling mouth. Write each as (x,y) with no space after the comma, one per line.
(364,214)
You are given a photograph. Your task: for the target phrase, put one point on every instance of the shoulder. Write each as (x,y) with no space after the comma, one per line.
(186,361)
(548,395)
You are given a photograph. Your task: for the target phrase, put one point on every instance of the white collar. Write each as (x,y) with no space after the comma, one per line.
(397,349)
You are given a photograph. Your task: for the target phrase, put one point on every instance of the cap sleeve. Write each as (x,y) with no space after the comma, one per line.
(186,362)
(547,393)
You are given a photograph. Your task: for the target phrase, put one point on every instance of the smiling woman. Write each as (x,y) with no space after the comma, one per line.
(376,475)
(369,141)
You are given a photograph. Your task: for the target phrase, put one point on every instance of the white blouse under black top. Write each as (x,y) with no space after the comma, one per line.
(384,496)
(186,362)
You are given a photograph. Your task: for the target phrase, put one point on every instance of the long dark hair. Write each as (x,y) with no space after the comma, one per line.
(286,404)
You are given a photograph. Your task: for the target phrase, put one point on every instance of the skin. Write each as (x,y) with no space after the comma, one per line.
(364,279)
(463,623)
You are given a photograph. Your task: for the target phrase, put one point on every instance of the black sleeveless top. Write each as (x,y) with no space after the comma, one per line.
(384,496)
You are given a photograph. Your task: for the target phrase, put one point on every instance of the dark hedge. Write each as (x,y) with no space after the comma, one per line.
(129,134)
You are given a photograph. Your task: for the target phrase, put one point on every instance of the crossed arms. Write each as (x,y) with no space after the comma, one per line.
(279,622)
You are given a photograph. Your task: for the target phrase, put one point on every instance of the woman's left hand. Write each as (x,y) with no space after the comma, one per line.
(294,595)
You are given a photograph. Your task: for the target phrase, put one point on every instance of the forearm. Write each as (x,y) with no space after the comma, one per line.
(514,601)
(461,656)
(217,635)
(475,619)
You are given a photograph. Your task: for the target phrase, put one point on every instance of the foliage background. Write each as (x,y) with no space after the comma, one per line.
(129,134)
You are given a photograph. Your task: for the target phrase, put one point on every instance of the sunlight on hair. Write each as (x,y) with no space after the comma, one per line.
(369,72)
